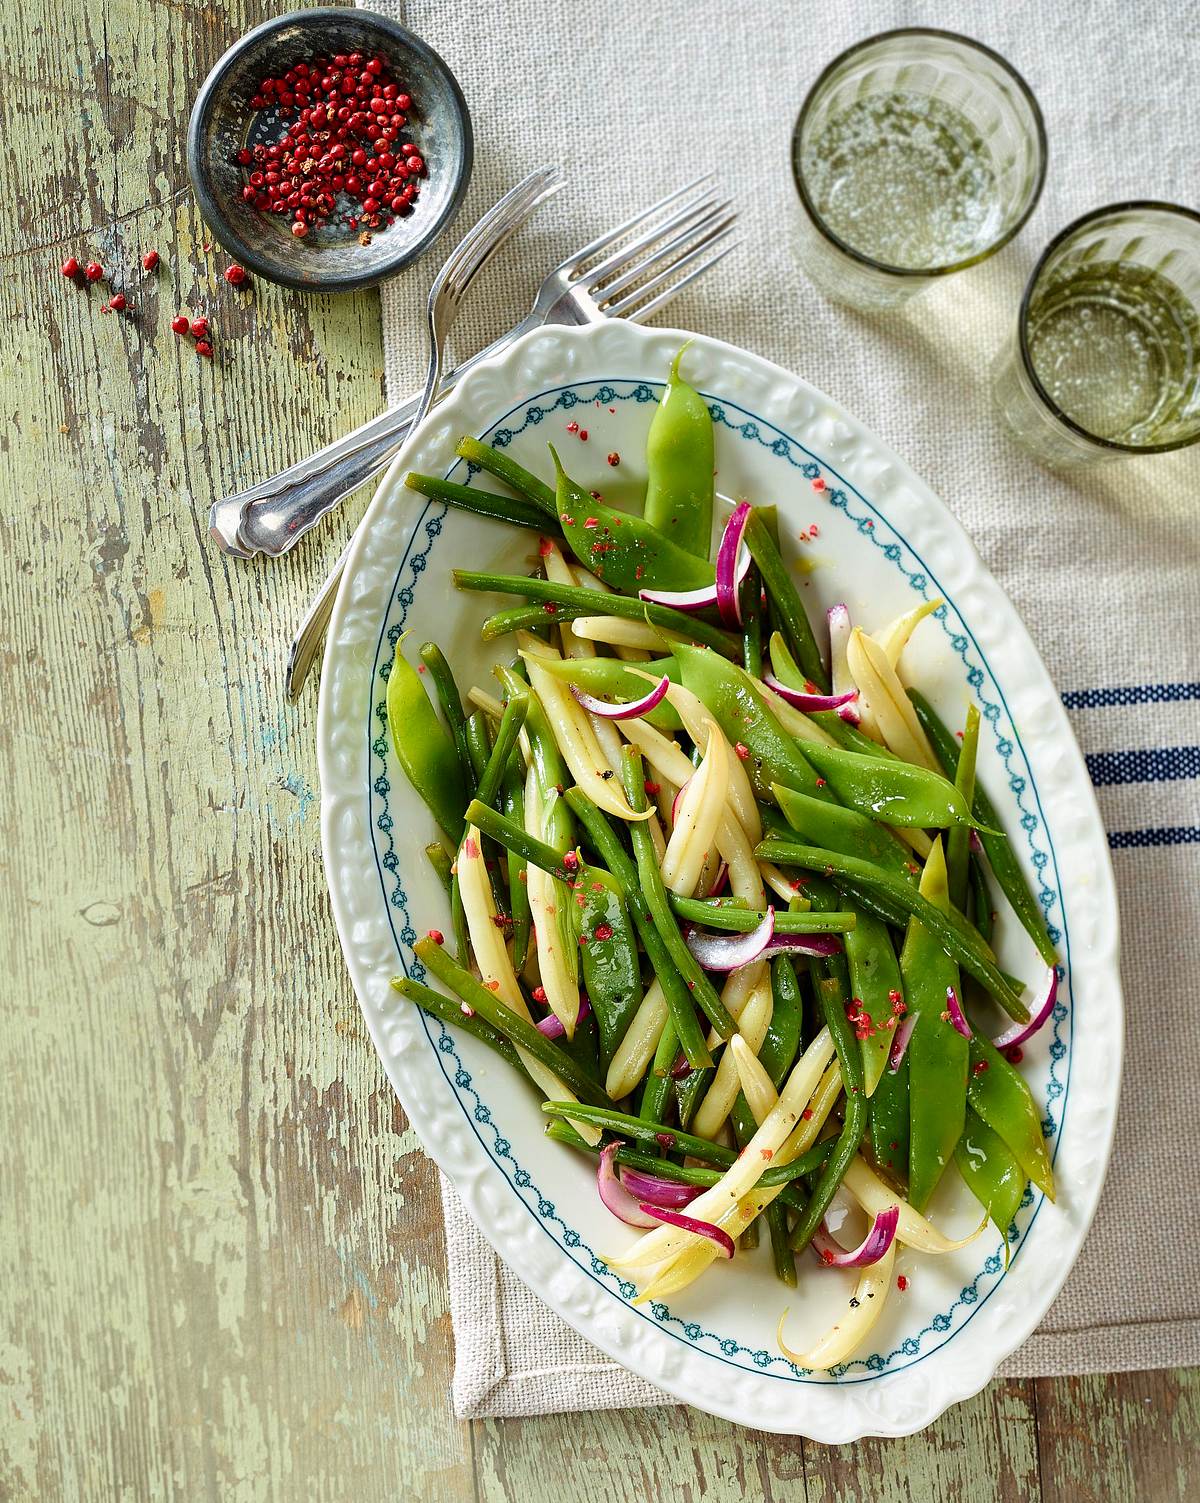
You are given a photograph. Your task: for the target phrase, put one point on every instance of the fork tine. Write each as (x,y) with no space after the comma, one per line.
(610,237)
(626,255)
(665,256)
(515,207)
(621,307)
(639,315)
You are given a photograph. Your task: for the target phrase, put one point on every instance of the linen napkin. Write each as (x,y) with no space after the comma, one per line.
(634,101)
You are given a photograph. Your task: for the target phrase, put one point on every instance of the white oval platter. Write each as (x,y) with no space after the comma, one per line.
(859,526)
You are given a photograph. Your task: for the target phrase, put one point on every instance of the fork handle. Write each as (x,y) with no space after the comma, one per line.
(277,512)
(306,644)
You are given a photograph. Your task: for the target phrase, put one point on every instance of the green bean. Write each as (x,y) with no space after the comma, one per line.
(861,877)
(981,898)
(451,1013)
(785,601)
(505,468)
(733,915)
(750,600)
(655,894)
(833,994)
(483,503)
(999,851)
(656,1093)
(441,863)
(958,841)
(513,838)
(518,896)
(613,854)
(491,779)
(450,701)
(504,1020)
(691,628)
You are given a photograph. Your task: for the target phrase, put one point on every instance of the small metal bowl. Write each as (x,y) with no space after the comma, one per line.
(330,258)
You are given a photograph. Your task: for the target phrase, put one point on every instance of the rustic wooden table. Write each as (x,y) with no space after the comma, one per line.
(223,1268)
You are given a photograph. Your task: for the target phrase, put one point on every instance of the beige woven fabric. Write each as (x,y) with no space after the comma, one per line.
(633,100)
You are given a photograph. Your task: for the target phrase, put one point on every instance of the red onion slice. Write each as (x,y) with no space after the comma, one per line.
(728,555)
(1019,1032)
(804,944)
(551,1026)
(682,600)
(804,701)
(614,1194)
(720,881)
(957,1017)
(658,1191)
(730,952)
(722,1239)
(838,617)
(870,1249)
(628,711)
(904,1032)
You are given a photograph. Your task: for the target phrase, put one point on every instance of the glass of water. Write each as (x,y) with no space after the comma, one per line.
(917,153)
(1105,358)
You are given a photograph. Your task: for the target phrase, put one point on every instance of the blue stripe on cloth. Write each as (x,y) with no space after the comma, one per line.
(1129,694)
(1130,840)
(1159,765)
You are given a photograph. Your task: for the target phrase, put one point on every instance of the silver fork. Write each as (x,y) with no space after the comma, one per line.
(631,279)
(450,286)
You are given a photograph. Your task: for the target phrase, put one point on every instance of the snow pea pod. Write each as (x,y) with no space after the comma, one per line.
(875,986)
(608,847)
(1001,857)
(424,747)
(608,956)
(772,756)
(855,876)
(888,789)
(626,552)
(991,1171)
(679,463)
(786,606)
(483,503)
(585,602)
(999,1094)
(937,1052)
(889,1122)
(505,468)
(782,1041)
(840,829)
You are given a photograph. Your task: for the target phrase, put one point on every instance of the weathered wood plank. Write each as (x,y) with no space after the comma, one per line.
(223,1274)
(1117,1439)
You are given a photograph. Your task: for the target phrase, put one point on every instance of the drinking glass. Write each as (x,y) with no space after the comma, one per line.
(1105,357)
(916,153)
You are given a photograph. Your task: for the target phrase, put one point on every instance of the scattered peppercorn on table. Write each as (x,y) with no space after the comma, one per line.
(226,1269)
